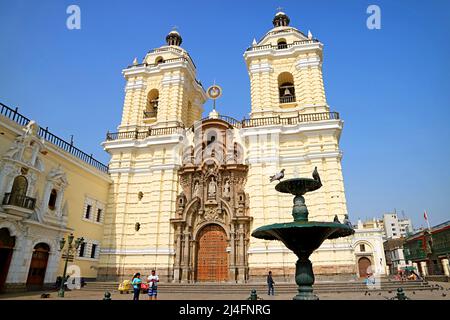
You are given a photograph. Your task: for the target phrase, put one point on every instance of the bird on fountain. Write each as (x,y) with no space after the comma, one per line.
(316,175)
(278,176)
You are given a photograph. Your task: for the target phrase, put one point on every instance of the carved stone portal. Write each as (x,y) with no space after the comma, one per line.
(212,205)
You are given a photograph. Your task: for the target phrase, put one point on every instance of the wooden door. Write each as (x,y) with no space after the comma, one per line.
(38,266)
(212,257)
(363,265)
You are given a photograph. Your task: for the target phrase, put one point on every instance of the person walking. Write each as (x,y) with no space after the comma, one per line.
(136,282)
(153,280)
(270,284)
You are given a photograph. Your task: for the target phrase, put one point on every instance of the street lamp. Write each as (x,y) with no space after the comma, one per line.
(68,255)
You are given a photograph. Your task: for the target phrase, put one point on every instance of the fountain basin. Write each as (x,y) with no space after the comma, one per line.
(297,186)
(303,237)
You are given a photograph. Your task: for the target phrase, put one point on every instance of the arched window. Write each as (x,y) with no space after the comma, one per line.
(151,109)
(52,199)
(286,87)
(281,43)
(159,60)
(17,197)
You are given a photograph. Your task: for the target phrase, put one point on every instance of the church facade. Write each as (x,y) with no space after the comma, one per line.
(182,193)
(187,191)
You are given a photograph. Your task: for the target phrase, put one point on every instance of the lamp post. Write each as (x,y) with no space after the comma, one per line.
(70,249)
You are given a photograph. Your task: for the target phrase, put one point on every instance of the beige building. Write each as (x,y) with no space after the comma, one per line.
(46,188)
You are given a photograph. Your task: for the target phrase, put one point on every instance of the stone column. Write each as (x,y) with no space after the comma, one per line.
(423,265)
(192,260)
(185,263)
(232,271)
(445,267)
(176,267)
(241,275)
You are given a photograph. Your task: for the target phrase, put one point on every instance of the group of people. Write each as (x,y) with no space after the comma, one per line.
(152,281)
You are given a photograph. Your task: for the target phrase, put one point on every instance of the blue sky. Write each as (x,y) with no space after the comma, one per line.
(391,86)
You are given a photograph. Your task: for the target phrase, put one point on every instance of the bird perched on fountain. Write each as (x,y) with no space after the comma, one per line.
(347,221)
(336,219)
(278,176)
(316,175)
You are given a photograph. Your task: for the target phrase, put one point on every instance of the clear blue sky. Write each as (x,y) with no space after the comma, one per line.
(391,86)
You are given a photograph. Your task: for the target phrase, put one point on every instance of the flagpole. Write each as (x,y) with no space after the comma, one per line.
(426,218)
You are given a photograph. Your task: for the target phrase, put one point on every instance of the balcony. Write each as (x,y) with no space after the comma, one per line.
(18,205)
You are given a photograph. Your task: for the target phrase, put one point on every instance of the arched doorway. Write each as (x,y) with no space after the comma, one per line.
(7,243)
(363,266)
(38,266)
(212,257)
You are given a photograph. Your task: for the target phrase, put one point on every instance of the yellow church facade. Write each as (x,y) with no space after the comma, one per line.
(165,160)
(181,193)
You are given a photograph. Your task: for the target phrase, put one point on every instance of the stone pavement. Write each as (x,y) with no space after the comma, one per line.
(436,294)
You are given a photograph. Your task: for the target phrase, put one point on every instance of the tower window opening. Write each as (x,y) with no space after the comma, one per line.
(282,44)
(286,87)
(151,109)
(159,60)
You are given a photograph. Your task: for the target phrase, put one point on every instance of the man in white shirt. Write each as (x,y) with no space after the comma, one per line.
(152,281)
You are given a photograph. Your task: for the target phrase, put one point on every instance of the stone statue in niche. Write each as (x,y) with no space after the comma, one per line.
(212,188)
(227,189)
(196,190)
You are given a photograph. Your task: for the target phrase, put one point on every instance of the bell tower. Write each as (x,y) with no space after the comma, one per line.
(285,70)
(162,90)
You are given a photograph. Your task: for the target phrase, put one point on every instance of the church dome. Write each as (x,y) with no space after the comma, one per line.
(281,20)
(174,38)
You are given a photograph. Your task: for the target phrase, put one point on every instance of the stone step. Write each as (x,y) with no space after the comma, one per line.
(282,287)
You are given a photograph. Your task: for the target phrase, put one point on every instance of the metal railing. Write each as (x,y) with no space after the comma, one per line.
(282,47)
(15,116)
(136,134)
(19,200)
(277,120)
(246,123)
(150,114)
(287,99)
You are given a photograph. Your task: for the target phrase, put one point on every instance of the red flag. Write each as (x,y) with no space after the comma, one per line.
(425,215)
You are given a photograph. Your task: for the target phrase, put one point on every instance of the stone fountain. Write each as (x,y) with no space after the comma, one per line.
(301,236)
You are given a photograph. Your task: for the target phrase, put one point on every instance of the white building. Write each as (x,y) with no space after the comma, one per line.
(368,248)
(394,227)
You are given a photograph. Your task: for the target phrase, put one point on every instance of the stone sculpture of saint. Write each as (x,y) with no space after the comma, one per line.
(226,189)
(195,190)
(212,188)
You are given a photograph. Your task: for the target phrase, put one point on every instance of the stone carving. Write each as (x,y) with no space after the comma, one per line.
(212,188)
(196,192)
(226,189)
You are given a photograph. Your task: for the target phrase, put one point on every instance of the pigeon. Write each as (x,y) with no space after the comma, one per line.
(316,175)
(444,294)
(414,292)
(379,293)
(278,176)
(45,295)
(347,221)
(365,293)
(390,291)
(336,219)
